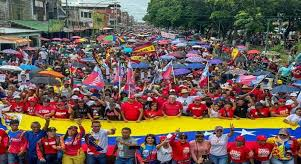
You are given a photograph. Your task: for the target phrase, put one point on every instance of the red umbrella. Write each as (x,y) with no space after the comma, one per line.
(65,40)
(164,42)
(250,52)
(56,39)
(100,37)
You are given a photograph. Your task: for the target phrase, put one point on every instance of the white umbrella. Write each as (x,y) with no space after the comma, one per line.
(196,46)
(181,45)
(10,68)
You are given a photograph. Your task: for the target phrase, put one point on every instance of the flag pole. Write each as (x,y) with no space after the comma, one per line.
(208,80)
(173,73)
(118,71)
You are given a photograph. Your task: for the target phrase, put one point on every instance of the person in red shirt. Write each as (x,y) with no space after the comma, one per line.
(162,99)
(197,109)
(3,146)
(260,111)
(31,105)
(180,149)
(281,110)
(239,153)
(48,146)
(132,110)
(227,112)
(172,107)
(153,112)
(61,110)
(45,110)
(17,105)
(262,150)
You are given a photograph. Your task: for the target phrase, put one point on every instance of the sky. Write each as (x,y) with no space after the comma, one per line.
(137,8)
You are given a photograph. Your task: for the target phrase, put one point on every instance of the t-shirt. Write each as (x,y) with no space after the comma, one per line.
(185,101)
(17,141)
(123,151)
(226,112)
(239,154)
(262,152)
(152,113)
(31,110)
(282,110)
(293,118)
(61,113)
(101,139)
(197,110)
(43,110)
(148,152)
(264,112)
(218,144)
(81,112)
(17,107)
(241,111)
(97,111)
(172,109)
(164,154)
(131,110)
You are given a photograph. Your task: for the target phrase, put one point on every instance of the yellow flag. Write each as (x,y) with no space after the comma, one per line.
(234,53)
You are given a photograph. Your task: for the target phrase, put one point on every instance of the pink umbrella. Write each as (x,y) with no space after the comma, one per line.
(253,52)
(66,40)
(75,37)
(192,55)
(44,39)
(56,39)
(29,48)
(163,42)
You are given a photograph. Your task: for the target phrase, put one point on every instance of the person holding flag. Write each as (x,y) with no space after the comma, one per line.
(97,142)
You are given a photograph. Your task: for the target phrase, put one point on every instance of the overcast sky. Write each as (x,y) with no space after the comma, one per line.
(137,8)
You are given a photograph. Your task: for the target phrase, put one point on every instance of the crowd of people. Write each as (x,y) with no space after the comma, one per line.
(148,96)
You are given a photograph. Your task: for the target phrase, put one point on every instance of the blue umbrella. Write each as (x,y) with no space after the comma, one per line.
(181,71)
(285,89)
(167,57)
(176,66)
(89,60)
(28,67)
(140,65)
(127,50)
(195,66)
(205,46)
(215,61)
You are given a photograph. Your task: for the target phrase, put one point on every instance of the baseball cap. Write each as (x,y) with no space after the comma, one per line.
(261,138)
(17,97)
(162,138)
(184,91)
(293,94)
(76,89)
(74,97)
(283,131)
(240,138)
(281,100)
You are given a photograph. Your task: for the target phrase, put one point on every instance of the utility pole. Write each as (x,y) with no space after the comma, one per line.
(267,37)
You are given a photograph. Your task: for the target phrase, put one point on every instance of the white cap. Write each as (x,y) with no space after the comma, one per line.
(289,102)
(76,89)
(74,97)
(293,94)
(17,97)
(90,103)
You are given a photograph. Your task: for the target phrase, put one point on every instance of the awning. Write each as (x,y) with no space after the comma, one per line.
(14,40)
(36,25)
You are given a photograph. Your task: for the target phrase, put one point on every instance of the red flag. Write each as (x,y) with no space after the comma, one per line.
(130,78)
(167,71)
(204,78)
(94,80)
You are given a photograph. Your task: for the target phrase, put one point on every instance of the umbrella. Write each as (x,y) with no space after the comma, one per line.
(167,57)
(56,39)
(75,37)
(141,65)
(81,40)
(242,48)
(197,46)
(10,51)
(251,52)
(78,65)
(30,49)
(44,80)
(195,66)
(181,71)
(65,40)
(28,67)
(128,50)
(237,72)
(261,72)
(215,61)
(192,55)
(100,37)
(176,41)
(206,46)
(132,41)
(164,42)
(110,38)
(285,89)
(44,39)
(10,68)
(195,59)
(181,45)
(89,59)
(178,65)
(176,54)
(106,42)
(51,73)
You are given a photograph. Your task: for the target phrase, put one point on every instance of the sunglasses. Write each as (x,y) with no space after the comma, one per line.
(199,136)
(282,135)
(183,138)
(219,130)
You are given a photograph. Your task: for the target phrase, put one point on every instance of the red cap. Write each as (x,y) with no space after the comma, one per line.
(281,100)
(131,97)
(261,138)
(197,99)
(32,99)
(165,93)
(240,138)
(162,138)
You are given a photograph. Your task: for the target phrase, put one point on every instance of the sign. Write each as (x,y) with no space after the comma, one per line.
(99,20)
(146,48)
(234,53)
(168,35)
(2,78)
(55,25)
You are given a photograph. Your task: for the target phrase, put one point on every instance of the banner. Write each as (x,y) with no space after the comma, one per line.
(99,20)
(168,35)
(98,59)
(146,48)
(55,25)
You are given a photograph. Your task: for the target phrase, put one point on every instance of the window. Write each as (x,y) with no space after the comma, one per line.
(81,14)
(85,15)
(90,15)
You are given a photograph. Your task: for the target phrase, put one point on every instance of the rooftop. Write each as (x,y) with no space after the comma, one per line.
(6,30)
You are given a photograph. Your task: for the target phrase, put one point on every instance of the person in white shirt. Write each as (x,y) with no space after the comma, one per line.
(294,119)
(185,100)
(164,153)
(219,141)
(97,142)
